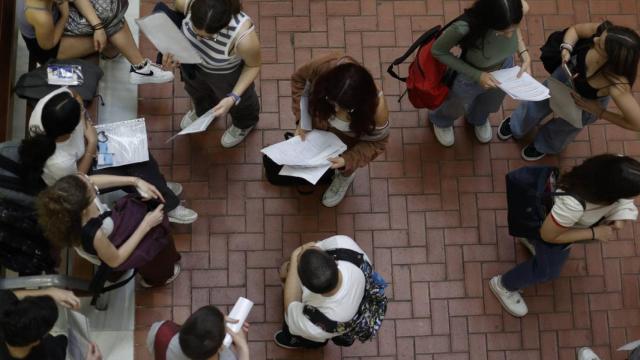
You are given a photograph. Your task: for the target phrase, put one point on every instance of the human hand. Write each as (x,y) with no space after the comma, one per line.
(239,337)
(603,233)
(565,55)
(616,224)
(487,81)
(154,218)
(337,162)
(65,298)
(169,62)
(591,106)
(90,134)
(147,191)
(99,40)
(525,67)
(299,250)
(223,107)
(94,352)
(301,132)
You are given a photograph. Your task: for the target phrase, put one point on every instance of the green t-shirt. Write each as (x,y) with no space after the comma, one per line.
(490,55)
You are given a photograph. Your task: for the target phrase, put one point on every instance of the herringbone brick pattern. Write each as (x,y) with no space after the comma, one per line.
(433,219)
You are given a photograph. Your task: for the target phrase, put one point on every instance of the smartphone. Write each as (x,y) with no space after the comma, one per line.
(569,75)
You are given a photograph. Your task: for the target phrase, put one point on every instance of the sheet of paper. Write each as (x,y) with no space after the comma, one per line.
(305,117)
(78,335)
(311,174)
(200,125)
(124,141)
(563,104)
(524,88)
(167,38)
(630,346)
(313,151)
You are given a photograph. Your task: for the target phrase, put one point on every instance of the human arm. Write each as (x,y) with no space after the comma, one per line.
(449,39)
(94,352)
(523,53)
(113,256)
(90,149)
(575,33)
(48,34)
(629,118)
(88,12)
(112,181)
(182,6)
(554,233)
(240,339)
(65,298)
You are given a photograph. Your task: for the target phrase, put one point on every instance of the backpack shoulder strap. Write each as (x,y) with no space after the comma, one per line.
(10,165)
(319,319)
(349,255)
(165,333)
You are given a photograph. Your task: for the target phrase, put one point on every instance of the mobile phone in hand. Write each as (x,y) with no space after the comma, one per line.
(569,75)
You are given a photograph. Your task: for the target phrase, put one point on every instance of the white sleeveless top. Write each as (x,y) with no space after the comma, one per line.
(216,54)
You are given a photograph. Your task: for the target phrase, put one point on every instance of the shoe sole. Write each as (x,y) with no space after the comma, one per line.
(173,277)
(179,221)
(283,346)
(527,158)
(142,81)
(506,308)
(500,136)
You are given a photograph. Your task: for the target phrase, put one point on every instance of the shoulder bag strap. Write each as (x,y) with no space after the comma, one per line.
(349,255)
(319,319)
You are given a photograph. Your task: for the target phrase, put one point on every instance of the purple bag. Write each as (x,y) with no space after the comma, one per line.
(127,215)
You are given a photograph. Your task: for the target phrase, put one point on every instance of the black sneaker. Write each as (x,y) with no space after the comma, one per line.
(504,129)
(287,342)
(530,153)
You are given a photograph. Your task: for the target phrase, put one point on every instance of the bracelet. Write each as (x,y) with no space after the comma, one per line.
(593,234)
(98,26)
(566,46)
(522,52)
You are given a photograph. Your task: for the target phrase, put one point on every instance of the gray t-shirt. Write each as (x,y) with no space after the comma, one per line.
(174,352)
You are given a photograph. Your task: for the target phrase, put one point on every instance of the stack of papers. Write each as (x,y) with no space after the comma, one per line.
(78,335)
(122,143)
(525,88)
(306,159)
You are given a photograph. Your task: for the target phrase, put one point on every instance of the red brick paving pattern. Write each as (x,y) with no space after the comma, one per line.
(433,219)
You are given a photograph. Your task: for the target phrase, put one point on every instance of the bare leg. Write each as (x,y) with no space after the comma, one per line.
(74,47)
(123,40)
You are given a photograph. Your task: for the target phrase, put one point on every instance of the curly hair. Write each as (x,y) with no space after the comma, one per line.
(60,210)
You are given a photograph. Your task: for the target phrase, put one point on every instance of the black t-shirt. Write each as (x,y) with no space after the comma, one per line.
(50,348)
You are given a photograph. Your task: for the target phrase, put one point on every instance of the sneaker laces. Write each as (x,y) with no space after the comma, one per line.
(337,183)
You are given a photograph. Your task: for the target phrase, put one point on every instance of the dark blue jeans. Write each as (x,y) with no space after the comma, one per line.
(545,265)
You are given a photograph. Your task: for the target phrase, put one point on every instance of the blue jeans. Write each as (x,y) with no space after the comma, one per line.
(466,97)
(545,265)
(556,134)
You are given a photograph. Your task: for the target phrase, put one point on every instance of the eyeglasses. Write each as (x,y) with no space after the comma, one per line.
(336,105)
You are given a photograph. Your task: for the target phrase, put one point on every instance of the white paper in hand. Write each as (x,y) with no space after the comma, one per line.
(562,103)
(630,346)
(167,38)
(200,125)
(524,88)
(315,150)
(78,335)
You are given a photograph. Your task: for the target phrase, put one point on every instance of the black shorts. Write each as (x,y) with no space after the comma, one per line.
(39,54)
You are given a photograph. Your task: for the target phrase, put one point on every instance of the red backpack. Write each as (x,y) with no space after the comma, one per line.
(428,79)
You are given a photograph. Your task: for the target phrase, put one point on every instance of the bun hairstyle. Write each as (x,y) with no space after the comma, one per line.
(60,115)
(60,208)
(603,179)
(212,16)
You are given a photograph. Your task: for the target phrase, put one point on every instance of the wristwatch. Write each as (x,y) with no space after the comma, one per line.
(236,97)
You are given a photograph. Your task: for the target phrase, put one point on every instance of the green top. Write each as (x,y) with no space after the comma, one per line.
(485,58)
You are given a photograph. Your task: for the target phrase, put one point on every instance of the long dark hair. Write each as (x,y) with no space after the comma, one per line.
(60,208)
(60,116)
(213,15)
(485,15)
(351,86)
(603,179)
(622,46)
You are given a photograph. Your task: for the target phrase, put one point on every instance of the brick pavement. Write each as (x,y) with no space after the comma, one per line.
(433,219)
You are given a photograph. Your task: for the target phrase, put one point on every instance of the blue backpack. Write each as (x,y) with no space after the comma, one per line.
(530,194)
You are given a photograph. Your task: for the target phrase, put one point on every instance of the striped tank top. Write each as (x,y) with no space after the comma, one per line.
(216,53)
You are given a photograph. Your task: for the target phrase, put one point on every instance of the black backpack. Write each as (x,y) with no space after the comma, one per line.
(530,193)
(373,307)
(23,248)
(550,51)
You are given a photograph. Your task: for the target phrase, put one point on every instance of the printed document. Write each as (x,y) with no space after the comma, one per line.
(525,88)
(78,335)
(305,116)
(167,38)
(201,124)
(122,143)
(563,104)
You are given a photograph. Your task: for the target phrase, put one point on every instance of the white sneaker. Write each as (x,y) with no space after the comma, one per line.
(234,136)
(444,135)
(587,354)
(182,215)
(484,133)
(512,301)
(188,119)
(338,188)
(175,187)
(176,271)
(150,74)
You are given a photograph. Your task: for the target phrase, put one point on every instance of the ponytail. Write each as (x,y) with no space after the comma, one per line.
(34,153)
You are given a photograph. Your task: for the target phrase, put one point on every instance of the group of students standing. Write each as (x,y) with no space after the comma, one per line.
(343,99)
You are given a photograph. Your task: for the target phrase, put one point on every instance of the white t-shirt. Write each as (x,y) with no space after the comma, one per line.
(342,306)
(174,351)
(568,212)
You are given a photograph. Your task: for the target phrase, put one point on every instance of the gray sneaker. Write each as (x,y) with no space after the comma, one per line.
(444,135)
(234,136)
(512,301)
(182,215)
(175,187)
(587,354)
(337,190)
(188,119)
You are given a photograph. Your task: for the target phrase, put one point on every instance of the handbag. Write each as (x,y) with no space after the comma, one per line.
(127,215)
(110,12)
